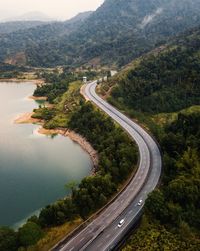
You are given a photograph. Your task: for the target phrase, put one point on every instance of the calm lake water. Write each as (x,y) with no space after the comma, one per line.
(33,168)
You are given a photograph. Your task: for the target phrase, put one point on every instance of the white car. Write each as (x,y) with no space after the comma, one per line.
(121,223)
(140,202)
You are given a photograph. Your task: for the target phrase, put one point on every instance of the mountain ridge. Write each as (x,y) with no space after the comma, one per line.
(116,33)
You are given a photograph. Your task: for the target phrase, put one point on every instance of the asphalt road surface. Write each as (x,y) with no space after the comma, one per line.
(103,233)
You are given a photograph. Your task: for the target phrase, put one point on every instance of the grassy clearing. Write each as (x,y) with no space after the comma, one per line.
(165,118)
(65,105)
(53,236)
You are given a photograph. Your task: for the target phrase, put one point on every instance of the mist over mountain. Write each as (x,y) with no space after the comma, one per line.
(33,16)
(115,34)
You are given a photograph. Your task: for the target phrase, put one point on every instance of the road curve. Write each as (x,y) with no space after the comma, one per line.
(103,232)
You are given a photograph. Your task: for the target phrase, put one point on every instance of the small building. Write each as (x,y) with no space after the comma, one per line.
(84,79)
(105,78)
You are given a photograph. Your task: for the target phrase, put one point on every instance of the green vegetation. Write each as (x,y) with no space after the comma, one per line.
(29,234)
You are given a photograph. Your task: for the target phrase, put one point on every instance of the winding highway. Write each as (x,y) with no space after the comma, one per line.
(104,232)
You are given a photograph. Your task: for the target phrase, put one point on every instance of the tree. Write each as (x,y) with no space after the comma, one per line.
(8,239)
(156,206)
(29,234)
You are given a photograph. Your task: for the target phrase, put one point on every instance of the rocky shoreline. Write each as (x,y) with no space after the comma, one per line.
(26,118)
(86,146)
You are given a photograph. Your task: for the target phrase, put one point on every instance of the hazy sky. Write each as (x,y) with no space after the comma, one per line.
(60,9)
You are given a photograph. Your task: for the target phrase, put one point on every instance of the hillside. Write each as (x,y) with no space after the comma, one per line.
(165,80)
(116,33)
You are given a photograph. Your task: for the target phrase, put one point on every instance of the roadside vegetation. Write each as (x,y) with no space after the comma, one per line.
(172,213)
(161,90)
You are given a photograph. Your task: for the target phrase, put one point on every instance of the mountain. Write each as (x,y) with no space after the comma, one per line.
(165,80)
(9,27)
(13,46)
(32,16)
(120,31)
(116,33)
(80,17)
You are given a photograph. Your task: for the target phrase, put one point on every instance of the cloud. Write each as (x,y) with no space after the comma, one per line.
(60,9)
(149,18)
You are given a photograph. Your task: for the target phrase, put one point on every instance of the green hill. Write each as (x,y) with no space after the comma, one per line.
(165,80)
(14,45)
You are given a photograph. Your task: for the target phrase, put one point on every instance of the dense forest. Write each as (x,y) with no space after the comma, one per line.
(115,34)
(172,212)
(165,80)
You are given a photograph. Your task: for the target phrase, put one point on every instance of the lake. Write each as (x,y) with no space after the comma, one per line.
(34,168)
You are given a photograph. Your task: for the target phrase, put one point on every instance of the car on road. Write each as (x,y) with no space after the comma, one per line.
(121,223)
(140,202)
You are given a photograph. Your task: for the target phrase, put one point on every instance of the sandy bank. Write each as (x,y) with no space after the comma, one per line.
(26,118)
(38,98)
(16,80)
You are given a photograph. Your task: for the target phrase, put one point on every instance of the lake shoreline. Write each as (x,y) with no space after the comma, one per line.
(38,98)
(27,118)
